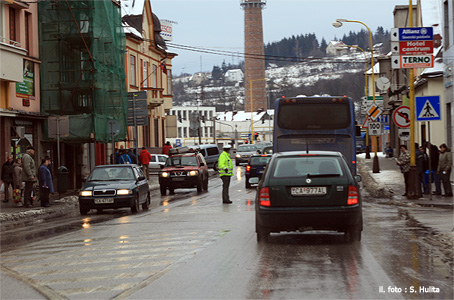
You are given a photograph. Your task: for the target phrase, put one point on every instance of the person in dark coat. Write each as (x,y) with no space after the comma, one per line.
(45,182)
(7,176)
(422,164)
(132,156)
(434,155)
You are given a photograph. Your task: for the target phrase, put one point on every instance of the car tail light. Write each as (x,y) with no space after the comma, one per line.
(353,195)
(264,196)
(248,168)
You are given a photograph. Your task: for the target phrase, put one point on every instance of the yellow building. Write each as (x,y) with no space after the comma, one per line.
(148,68)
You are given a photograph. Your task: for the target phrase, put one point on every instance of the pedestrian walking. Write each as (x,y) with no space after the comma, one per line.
(45,182)
(422,164)
(434,156)
(28,175)
(225,168)
(124,158)
(444,169)
(404,163)
(132,155)
(144,159)
(166,148)
(7,176)
(17,183)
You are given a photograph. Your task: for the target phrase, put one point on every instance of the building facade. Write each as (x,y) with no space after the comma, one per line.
(148,68)
(21,122)
(448,72)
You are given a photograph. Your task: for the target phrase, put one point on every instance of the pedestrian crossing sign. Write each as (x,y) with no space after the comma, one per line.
(428,108)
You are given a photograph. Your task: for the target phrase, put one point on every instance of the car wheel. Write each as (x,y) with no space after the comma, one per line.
(135,205)
(171,191)
(248,185)
(205,184)
(199,186)
(215,166)
(262,234)
(146,205)
(353,235)
(163,190)
(83,211)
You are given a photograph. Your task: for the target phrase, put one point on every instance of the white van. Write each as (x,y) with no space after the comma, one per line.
(211,154)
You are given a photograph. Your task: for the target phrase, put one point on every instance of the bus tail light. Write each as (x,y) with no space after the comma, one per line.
(264,196)
(353,195)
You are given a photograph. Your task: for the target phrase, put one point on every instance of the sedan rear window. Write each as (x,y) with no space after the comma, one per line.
(246,148)
(307,166)
(259,160)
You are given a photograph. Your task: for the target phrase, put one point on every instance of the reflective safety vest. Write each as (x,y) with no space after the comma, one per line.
(225,162)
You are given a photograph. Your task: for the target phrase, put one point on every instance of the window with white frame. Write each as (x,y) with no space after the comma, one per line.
(144,73)
(132,70)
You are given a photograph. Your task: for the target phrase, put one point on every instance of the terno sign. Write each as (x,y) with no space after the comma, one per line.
(412,61)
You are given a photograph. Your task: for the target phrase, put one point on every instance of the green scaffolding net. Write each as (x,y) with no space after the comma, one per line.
(82,48)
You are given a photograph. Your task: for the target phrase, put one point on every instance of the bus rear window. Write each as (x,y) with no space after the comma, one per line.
(307,116)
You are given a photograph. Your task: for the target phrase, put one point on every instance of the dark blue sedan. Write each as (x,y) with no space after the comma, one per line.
(114,186)
(256,166)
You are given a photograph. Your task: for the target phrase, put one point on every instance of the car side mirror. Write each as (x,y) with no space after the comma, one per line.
(254,180)
(358,178)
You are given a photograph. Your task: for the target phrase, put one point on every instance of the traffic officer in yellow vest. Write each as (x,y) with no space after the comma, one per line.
(225,168)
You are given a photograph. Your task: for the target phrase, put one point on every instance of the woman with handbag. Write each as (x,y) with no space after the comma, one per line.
(17,182)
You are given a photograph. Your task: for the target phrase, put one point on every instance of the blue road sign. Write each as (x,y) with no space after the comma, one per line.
(428,108)
(178,142)
(416,34)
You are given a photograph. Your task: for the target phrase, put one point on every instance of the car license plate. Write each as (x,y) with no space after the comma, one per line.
(104,200)
(308,191)
(178,179)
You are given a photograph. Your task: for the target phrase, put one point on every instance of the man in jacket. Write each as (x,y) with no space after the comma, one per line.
(28,175)
(444,169)
(7,176)
(45,182)
(166,148)
(144,159)
(225,168)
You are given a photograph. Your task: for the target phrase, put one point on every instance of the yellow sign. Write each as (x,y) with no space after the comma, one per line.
(374,112)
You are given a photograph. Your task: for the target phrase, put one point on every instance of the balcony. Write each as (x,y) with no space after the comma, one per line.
(12,64)
(154,97)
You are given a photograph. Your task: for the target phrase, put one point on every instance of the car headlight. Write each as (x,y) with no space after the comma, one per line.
(86,193)
(238,155)
(193,173)
(165,174)
(124,192)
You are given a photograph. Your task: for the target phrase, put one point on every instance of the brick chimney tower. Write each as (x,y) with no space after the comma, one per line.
(254,63)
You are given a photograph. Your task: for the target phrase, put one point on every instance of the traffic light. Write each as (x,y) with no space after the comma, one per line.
(256,136)
(246,141)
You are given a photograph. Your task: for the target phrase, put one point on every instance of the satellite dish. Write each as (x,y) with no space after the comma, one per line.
(383,83)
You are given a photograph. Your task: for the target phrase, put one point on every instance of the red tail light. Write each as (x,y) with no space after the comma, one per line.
(353,195)
(248,168)
(264,196)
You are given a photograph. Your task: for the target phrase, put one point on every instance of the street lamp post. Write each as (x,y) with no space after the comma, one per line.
(339,23)
(365,90)
(252,112)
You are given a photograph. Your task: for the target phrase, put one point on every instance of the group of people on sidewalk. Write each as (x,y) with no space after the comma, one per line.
(22,176)
(432,168)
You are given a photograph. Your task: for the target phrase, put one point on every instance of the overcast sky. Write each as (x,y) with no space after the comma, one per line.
(219,24)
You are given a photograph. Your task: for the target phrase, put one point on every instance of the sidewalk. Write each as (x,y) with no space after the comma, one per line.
(61,205)
(387,187)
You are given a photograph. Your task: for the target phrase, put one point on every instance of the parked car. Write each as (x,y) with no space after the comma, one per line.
(302,191)
(157,161)
(183,169)
(114,186)
(261,145)
(255,167)
(211,154)
(244,152)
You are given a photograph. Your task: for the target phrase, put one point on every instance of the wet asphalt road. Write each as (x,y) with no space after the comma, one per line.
(190,246)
